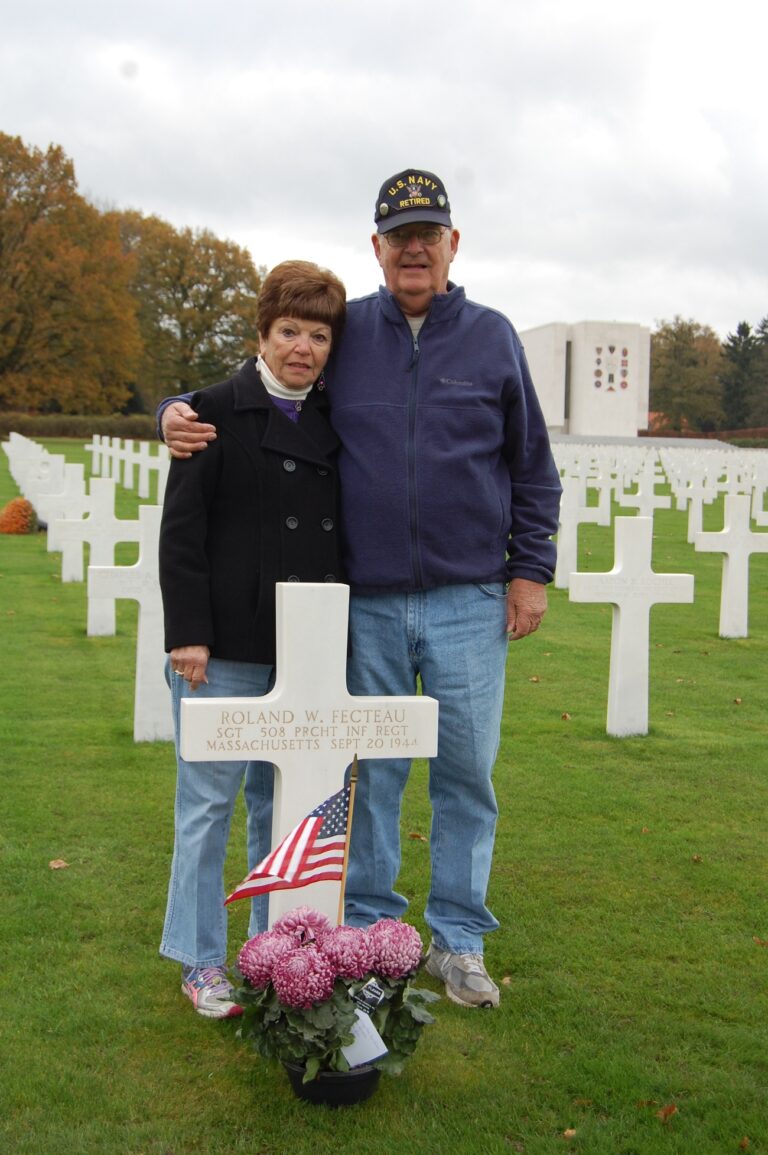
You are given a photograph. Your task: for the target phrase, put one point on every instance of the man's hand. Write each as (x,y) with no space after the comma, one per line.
(182,432)
(526,606)
(190,662)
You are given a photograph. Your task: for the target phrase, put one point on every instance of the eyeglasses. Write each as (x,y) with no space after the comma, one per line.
(399,238)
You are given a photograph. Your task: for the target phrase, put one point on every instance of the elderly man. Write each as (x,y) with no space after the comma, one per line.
(450,496)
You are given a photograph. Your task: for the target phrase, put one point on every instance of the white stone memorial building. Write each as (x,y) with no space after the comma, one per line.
(592,378)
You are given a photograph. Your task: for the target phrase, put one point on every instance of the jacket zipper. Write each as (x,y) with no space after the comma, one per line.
(411,460)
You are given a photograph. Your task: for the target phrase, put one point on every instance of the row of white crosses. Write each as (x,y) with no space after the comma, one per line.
(78,518)
(629,475)
(632,587)
(127,461)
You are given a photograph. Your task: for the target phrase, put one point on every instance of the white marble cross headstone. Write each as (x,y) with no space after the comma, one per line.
(645,499)
(72,533)
(309,726)
(152,719)
(736,542)
(574,512)
(632,587)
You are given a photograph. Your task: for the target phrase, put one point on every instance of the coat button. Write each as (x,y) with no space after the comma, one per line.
(292,522)
(293,578)
(322,471)
(289,465)
(330,577)
(327,523)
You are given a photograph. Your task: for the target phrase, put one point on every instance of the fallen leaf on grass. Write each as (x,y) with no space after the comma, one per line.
(535,678)
(569,1133)
(57,864)
(666,1113)
(646,830)
(696,858)
(760,941)
(505,982)
(418,837)
(565,717)
(744,1144)
(582,1102)
(737,701)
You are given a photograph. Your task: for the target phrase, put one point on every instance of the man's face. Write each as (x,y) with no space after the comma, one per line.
(416,271)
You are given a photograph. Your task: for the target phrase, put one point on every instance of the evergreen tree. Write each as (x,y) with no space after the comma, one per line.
(740,356)
(758,410)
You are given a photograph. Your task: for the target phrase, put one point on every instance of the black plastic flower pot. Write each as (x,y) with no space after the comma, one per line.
(334,1088)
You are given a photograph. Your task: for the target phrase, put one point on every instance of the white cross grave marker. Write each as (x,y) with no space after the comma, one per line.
(736,542)
(152,719)
(72,533)
(632,587)
(309,726)
(574,512)
(645,499)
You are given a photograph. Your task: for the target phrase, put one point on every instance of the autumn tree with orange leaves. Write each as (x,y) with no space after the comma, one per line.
(105,312)
(196,297)
(69,337)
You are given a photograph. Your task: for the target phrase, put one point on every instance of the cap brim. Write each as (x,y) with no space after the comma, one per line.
(415,217)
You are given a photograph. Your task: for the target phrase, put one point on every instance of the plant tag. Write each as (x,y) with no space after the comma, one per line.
(369,997)
(368,1045)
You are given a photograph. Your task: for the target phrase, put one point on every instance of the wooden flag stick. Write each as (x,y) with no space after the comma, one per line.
(352,788)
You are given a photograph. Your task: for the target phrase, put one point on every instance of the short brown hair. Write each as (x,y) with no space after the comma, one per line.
(304,291)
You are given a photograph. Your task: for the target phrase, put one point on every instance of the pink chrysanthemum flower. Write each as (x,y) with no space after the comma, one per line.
(302,977)
(396,947)
(259,954)
(349,950)
(303,924)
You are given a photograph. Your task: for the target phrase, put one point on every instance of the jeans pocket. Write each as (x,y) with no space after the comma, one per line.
(494,590)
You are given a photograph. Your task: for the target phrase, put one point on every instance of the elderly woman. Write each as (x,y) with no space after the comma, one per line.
(259,506)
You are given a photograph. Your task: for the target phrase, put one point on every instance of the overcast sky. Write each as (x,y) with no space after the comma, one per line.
(604,160)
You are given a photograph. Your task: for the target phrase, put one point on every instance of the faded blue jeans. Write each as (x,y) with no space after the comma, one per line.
(195,931)
(455,639)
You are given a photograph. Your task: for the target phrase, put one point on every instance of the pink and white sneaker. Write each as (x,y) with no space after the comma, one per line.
(210,992)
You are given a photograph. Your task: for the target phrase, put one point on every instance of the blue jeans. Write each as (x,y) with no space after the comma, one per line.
(195,931)
(455,639)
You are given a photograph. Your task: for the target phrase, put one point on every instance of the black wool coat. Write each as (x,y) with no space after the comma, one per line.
(259,505)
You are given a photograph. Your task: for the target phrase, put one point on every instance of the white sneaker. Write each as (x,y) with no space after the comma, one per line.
(467,982)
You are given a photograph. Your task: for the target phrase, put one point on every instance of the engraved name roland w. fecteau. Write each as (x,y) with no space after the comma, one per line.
(359,729)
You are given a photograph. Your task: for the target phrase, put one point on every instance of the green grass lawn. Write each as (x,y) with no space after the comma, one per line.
(630,883)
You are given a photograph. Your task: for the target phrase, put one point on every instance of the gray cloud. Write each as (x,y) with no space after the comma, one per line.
(601,163)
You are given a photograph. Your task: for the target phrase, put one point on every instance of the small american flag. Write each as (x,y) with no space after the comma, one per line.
(312,852)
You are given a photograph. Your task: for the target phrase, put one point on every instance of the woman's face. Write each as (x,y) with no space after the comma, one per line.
(296,351)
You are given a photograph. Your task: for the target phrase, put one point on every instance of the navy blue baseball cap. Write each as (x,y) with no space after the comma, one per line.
(413,195)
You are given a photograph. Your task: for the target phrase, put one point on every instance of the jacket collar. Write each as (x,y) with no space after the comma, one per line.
(311,438)
(444,306)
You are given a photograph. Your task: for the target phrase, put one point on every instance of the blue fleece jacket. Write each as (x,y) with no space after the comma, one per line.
(446,470)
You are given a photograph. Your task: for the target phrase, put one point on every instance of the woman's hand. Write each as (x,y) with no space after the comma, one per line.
(190,663)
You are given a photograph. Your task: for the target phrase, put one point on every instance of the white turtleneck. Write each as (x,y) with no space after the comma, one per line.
(273,386)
